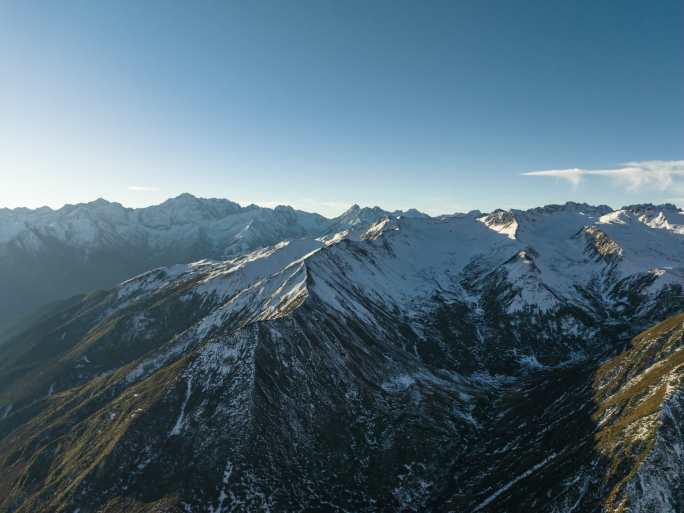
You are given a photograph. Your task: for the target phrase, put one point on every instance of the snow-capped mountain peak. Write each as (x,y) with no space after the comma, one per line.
(91,245)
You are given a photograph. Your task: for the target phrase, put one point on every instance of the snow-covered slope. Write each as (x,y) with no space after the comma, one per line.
(568,250)
(46,255)
(558,257)
(571,255)
(222,225)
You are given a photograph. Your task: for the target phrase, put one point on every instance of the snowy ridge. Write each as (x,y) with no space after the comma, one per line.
(412,265)
(407,260)
(47,255)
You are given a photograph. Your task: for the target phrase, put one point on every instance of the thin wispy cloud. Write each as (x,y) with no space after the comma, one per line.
(142,188)
(634,176)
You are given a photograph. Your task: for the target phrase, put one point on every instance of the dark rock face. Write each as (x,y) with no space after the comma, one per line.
(437,365)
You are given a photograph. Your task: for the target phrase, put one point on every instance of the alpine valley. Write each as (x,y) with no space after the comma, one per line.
(512,361)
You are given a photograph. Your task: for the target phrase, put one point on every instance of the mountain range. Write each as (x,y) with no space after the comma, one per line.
(517,361)
(47,255)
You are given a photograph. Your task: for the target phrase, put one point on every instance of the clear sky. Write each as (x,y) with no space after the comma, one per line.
(442,106)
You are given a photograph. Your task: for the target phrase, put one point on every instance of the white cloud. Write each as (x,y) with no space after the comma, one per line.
(141,188)
(658,174)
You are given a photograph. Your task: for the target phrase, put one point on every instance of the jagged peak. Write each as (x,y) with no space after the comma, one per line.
(600,245)
(284,208)
(379,227)
(182,199)
(413,212)
(99,202)
(99,208)
(502,221)
(354,209)
(570,206)
(639,208)
(185,196)
(665,216)
(189,199)
(95,204)
(358,215)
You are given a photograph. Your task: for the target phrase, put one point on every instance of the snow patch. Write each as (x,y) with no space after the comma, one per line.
(180,422)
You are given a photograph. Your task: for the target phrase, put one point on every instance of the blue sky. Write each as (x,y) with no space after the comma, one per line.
(442,106)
